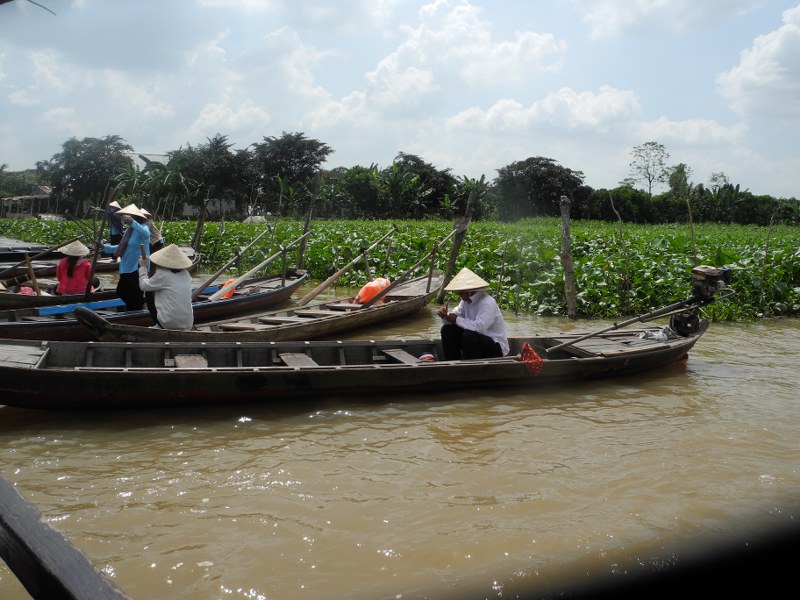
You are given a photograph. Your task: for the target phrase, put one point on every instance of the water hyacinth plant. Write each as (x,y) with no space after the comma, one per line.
(620,270)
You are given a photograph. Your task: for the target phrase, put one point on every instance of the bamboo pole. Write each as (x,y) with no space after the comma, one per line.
(462,223)
(413,268)
(32,276)
(566,260)
(325,284)
(238,255)
(222,291)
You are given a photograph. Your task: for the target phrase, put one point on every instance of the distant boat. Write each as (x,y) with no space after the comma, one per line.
(12,299)
(15,273)
(59,323)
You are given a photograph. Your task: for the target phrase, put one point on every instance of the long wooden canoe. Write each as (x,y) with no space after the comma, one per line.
(109,375)
(14,298)
(13,272)
(309,322)
(59,322)
(15,254)
(47,268)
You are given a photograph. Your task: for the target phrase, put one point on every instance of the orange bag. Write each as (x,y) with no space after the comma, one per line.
(370,290)
(229,293)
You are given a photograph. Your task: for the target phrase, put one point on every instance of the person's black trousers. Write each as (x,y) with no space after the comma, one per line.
(461,343)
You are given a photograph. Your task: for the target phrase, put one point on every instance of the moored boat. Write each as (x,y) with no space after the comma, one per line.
(59,323)
(18,297)
(16,274)
(54,375)
(308,322)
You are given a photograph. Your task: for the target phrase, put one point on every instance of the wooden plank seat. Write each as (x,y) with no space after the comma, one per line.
(316,312)
(344,306)
(297,359)
(276,320)
(243,326)
(190,361)
(401,356)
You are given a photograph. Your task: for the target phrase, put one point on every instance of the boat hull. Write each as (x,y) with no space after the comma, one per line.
(90,376)
(252,296)
(314,321)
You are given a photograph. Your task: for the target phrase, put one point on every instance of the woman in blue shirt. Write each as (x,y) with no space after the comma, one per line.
(128,251)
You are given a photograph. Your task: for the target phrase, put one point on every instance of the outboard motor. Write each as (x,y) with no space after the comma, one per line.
(706,282)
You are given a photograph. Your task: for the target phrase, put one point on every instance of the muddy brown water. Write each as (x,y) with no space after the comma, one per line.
(463,495)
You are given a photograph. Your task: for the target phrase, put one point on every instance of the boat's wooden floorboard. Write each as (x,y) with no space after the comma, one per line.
(21,356)
(606,347)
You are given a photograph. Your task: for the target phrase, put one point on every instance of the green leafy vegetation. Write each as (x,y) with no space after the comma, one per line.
(620,270)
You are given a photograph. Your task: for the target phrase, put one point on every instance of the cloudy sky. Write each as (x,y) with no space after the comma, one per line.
(469,85)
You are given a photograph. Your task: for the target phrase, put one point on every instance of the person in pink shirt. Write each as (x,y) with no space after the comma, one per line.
(73,271)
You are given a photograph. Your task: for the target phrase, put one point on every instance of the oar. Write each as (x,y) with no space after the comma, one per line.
(32,276)
(79,223)
(97,238)
(222,291)
(405,275)
(238,255)
(35,256)
(325,284)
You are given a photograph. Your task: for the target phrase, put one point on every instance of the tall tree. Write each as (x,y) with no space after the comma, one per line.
(400,186)
(293,158)
(207,172)
(649,164)
(534,186)
(678,180)
(433,187)
(84,169)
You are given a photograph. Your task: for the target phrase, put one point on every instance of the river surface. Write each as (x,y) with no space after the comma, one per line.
(461,495)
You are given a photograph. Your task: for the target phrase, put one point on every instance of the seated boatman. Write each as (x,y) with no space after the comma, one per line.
(169,285)
(475,328)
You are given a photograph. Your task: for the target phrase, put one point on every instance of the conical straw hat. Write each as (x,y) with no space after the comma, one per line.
(171,257)
(132,210)
(466,281)
(114,204)
(75,248)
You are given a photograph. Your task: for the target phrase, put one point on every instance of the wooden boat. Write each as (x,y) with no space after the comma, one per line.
(15,254)
(46,267)
(109,375)
(310,322)
(59,322)
(14,297)
(14,273)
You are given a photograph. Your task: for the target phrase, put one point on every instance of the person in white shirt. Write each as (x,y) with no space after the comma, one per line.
(171,285)
(475,328)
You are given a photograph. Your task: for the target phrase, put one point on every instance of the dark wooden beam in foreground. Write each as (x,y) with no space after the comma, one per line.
(43,560)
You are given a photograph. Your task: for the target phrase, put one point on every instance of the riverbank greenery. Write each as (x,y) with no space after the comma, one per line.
(620,270)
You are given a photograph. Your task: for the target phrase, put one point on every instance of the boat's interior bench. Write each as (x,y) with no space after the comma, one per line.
(315,312)
(401,356)
(190,361)
(344,306)
(297,359)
